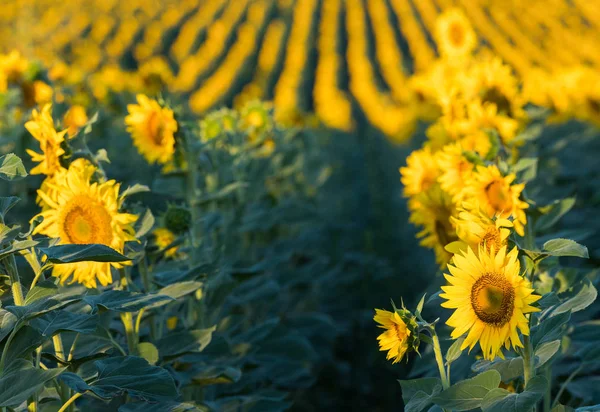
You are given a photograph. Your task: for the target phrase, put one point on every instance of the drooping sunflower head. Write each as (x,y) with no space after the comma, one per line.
(79,211)
(420,173)
(455,168)
(454,35)
(490,299)
(41,127)
(152,128)
(431,211)
(497,195)
(401,333)
(475,228)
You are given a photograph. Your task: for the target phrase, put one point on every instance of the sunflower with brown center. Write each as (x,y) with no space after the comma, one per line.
(81,212)
(497,195)
(152,128)
(454,35)
(490,300)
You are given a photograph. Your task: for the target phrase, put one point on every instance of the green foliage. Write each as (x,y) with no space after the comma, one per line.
(469,393)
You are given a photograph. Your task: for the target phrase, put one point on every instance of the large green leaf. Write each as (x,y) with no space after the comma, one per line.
(11,167)
(159,407)
(45,304)
(41,290)
(145,224)
(549,329)
(24,342)
(501,400)
(82,253)
(176,344)
(61,320)
(468,394)
(126,374)
(20,380)
(124,301)
(565,247)
(6,203)
(454,350)
(148,351)
(17,246)
(553,213)
(417,394)
(211,375)
(7,323)
(546,351)
(177,290)
(585,297)
(509,368)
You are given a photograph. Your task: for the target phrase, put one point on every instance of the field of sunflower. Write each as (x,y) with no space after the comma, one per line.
(203,201)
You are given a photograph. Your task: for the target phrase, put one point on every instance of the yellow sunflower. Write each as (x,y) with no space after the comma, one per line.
(455,169)
(497,195)
(42,129)
(74,119)
(13,65)
(80,212)
(50,185)
(396,335)
(490,299)
(420,173)
(152,128)
(256,116)
(431,210)
(217,123)
(475,228)
(454,35)
(163,237)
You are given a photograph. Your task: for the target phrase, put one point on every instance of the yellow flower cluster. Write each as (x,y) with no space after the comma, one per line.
(17,71)
(78,205)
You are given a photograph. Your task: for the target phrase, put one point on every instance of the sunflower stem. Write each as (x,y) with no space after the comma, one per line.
(59,352)
(528,367)
(127,318)
(437,350)
(69,402)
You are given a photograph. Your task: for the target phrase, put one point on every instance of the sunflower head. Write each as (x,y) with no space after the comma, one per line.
(177,219)
(490,299)
(41,127)
(256,116)
(420,173)
(497,195)
(163,238)
(455,168)
(454,35)
(79,211)
(74,119)
(155,73)
(152,128)
(217,123)
(13,65)
(401,333)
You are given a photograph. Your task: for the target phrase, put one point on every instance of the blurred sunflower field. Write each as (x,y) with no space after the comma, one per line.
(202,202)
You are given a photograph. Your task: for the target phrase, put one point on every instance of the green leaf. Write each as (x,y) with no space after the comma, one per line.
(501,400)
(82,253)
(509,368)
(177,290)
(20,380)
(45,304)
(562,408)
(11,167)
(526,168)
(549,329)
(145,224)
(6,203)
(211,375)
(41,290)
(546,351)
(565,247)
(130,375)
(25,340)
(61,320)
(553,213)
(159,407)
(177,344)
(124,301)
(584,298)
(468,394)
(132,190)
(454,351)
(17,246)
(417,394)
(7,323)
(419,308)
(149,352)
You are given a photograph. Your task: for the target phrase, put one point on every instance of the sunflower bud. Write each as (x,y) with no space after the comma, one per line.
(177,219)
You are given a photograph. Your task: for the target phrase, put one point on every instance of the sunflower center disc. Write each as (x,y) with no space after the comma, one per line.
(498,197)
(493,299)
(457,34)
(86,222)
(491,238)
(155,128)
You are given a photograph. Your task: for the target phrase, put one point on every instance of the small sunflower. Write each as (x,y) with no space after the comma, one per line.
(75,118)
(256,117)
(475,228)
(163,237)
(490,299)
(152,128)
(80,212)
(455,36)
(395,339)
(13,65)
(217,123)
(455,169)
(155,74)
(41,127)
(431,210)
(420,173)
(497,195)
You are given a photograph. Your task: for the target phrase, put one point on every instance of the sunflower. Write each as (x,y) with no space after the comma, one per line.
(490,299)
(455,169)
(395,338)
(217,123)
(74,119)
(420,173)
(13,65)
(475,228)
(163,238)
(497,195)
(454,35)
(431,210)
(42,129)
(80,212)
(152,128)
(50,185)
(256,117)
